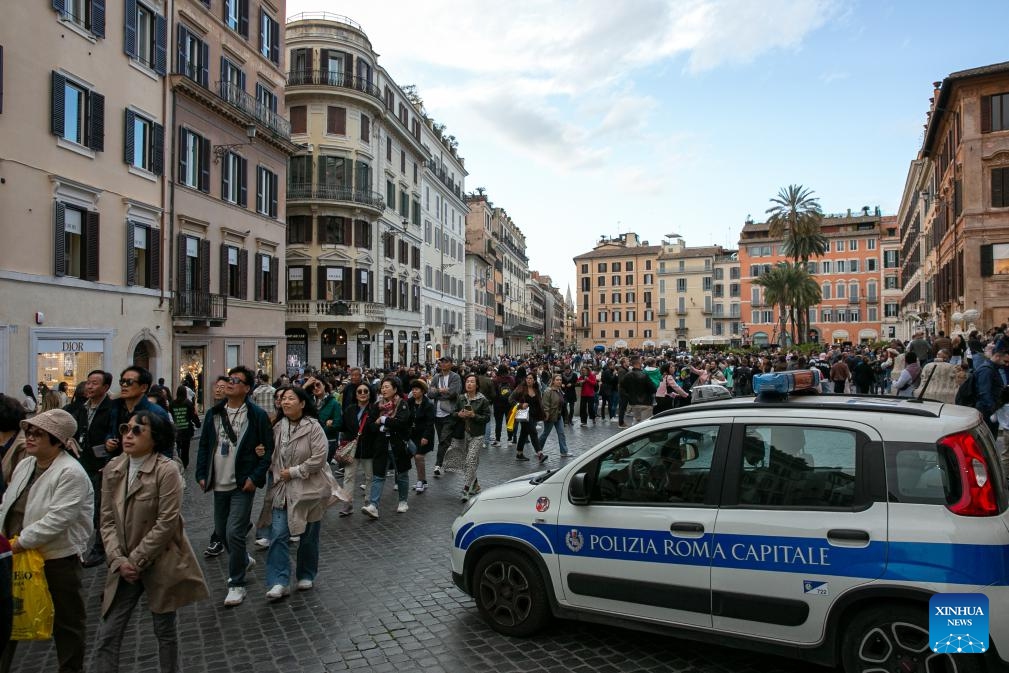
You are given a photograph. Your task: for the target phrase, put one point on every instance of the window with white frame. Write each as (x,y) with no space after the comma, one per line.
(78,113)
(144,143)
(266,191)
(233,180)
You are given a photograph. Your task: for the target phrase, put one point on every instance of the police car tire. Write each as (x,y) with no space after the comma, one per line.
(510,593)
(896,638)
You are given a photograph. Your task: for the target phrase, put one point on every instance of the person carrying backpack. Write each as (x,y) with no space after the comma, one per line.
(504,384)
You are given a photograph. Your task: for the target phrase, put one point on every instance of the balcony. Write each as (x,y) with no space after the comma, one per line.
(872,300)
(334,79)
(442,175)
(305,191)
(681,332)
(853,300)
(681,311)
(346,311)
(200,308)
(248,104)
(662,312)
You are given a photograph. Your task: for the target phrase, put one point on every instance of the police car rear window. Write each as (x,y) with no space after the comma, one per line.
(922,474)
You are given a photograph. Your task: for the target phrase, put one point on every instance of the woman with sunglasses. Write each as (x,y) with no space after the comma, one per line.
(355,417)
(384,435)
(48,505)
(145,543)
(299,494)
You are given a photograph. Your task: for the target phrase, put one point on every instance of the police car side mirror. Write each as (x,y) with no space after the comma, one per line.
(578,491)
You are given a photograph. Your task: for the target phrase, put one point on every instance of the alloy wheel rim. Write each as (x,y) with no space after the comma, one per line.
(505,593)
(901,647)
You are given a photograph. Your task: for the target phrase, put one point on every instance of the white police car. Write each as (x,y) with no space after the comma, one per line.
(811,526)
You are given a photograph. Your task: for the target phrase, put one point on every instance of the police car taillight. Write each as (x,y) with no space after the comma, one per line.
(781,384)
(978,496)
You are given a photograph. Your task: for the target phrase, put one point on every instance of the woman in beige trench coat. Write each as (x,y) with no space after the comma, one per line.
(146,547)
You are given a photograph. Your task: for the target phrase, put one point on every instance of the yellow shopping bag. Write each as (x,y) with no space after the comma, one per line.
(510,425)
(33,606)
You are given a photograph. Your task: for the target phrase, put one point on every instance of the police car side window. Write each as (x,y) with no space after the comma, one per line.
(669,466)
(793,466)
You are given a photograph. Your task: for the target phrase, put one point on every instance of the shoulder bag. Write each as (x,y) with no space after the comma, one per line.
(345,454)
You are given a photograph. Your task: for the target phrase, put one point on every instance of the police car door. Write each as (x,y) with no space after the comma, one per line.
(799,525)
(639,546)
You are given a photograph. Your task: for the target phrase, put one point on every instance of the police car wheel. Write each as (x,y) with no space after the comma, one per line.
(896,638)
(510,594)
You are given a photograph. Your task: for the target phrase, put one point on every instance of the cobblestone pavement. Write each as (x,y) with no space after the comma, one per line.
(384,601)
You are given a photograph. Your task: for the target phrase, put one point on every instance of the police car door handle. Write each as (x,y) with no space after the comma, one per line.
(686,527)
(847,535)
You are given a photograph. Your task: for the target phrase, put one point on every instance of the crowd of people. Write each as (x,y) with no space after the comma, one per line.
(98,480)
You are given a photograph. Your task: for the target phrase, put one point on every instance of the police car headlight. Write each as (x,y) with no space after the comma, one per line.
(469,504)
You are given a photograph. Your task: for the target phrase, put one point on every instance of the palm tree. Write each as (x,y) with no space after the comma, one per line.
(805,293)
(793,290)
(776,292)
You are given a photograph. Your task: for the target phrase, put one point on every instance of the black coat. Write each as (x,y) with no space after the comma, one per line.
(377,440)
(247,464)
(422,423)
(93,435)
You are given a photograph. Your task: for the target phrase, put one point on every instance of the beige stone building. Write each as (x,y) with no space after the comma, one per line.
(617,303)
(83,151)
(954,214)
(698,294)
(229,146)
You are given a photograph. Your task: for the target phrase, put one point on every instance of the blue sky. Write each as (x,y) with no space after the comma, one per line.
(585,118)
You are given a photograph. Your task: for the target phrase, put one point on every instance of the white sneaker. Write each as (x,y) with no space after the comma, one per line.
(363,487)
(402,507)
(421,486)
(305,585)
(437,470)
(370,510)
(294,539)
(235,596)
(251,564)
(263,543)
(276,592)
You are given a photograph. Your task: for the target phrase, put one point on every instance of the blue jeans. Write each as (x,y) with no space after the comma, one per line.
(561,440)
(486,434)
(231,522)
(278,563)
(378,483)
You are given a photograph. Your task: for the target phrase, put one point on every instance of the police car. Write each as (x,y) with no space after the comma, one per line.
(813,526)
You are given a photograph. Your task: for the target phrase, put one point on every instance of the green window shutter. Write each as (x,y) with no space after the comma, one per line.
(96,129)
(58,103)
(158,151)
(91,247)
(154,257)
(59,241)
(131,253)
(128,143)
(130,29)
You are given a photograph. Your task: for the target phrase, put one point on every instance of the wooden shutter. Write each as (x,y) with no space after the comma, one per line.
(59,241)
(243,187)
(306,279)
(129,140)
(275,42)
(243,17)
(205,165)
(204,77)
(91,246)
(985,114)
(348,69)
(274,279)
(258,275)
(158,151)
(180,261)
(59,6)
(987,260)
(183,157)
(299,119)
(274,189)
(225,290)
(262,22)
(160,45)
(336,120)
(348,283)
(96,128)
(205,265)
(1,79)
(243,274)
(365,128)
(131,253)
(321,284)
(58,103)
(997,194)
(181,66)
(154,257)
(98,18)
(130,27)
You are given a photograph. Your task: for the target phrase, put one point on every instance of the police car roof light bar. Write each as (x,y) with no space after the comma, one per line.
(777,386)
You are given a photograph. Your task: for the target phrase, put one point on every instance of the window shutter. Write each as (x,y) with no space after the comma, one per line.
(98,18)
(180,51)
(205,165)
(262,33)
(154,257)
(225,290)
(997,195)
(365,128)
(243,274)
(131,253)
(348,69)
(243,188)
(258,274)
(130,26)
(60,243)
(96,132)
(987,260)
(160,45)
(158,151)
(306,276)
(241,80)
(91,247)
(299,119)
(985,114)
(180,260)
(204,64)
(59,6)
(58,106)
(128,144)
(274,279)
(348,283)
(321,271)
(225,165)
(337,120)
(275,42)
(183,164)
(274,188)
(205,265)
(243,18)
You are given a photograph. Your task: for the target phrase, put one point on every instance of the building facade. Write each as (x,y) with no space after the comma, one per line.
(82,207)
(230,141)
(484,245)
(955,207)
(698,295)
(616,301)
(354,218)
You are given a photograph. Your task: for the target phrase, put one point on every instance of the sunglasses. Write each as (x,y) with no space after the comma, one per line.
(126,383)
(364,392)
(35,433)
(126,429)
(237,379)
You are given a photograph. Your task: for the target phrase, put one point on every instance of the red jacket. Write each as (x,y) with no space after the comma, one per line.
(588,385)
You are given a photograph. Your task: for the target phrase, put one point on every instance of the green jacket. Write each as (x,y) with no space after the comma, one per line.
(481,407)
(330,410)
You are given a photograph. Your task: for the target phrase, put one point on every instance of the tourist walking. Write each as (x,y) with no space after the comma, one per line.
(553,414)
(386,433)
(530,412)
(472,414)
(421,430)
(355,417)
(186,421)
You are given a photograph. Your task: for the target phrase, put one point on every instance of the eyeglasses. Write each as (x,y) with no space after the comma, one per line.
(364,392)
(35,433)
(126,429)
(237,379)
(126,383)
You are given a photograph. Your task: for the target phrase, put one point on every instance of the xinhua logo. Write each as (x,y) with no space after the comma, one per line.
(958,623)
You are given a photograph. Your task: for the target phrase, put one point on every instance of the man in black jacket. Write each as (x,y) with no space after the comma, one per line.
(94,425)
(236,446)
(639,391)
